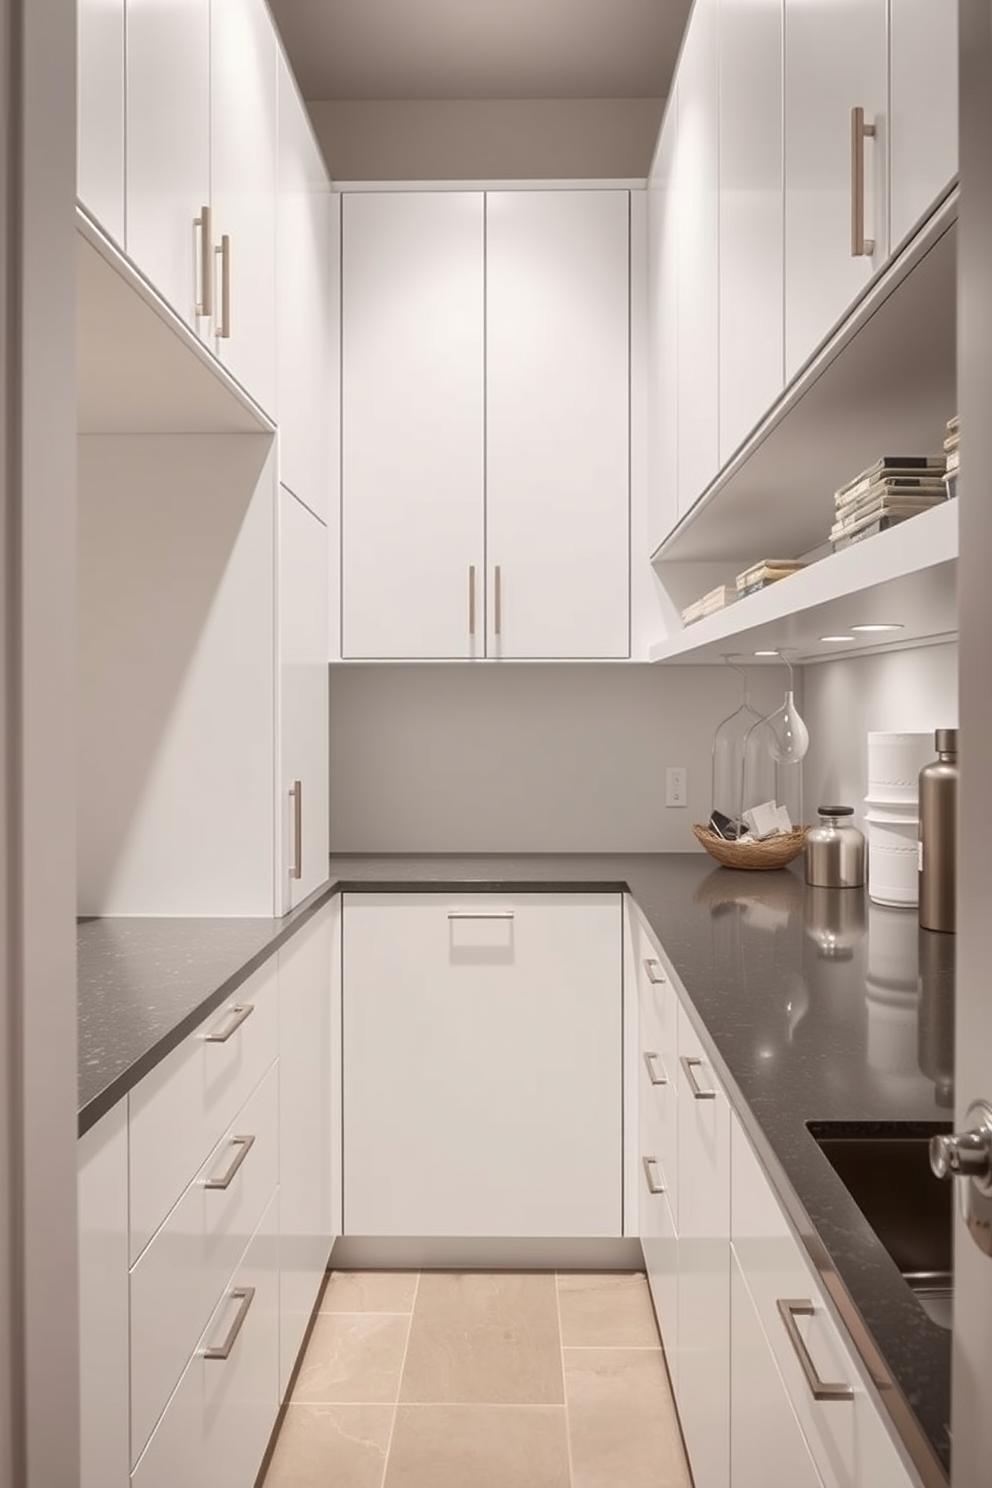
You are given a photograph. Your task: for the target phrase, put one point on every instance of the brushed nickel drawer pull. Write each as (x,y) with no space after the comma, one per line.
(789,1309)
(498,601)
(480,914)
(244,1295)
(656,976)
(244,1146)
(239,1012)
(652,1178)
(690,1063)
(224,254)
(297,794)
(205,304)
(471,599)
(861,247)
(651,1060)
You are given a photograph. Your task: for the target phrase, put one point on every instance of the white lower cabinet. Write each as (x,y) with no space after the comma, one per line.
(308,1168)
(482,1065)
(767,1446)
(216,1425)
(703,1182)
(103,1302)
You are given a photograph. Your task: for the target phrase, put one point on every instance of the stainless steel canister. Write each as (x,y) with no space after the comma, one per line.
(835,850)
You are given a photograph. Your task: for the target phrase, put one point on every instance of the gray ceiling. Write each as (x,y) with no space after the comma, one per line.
(449,49)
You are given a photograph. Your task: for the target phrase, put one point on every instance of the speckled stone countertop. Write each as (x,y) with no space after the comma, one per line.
(814,1007)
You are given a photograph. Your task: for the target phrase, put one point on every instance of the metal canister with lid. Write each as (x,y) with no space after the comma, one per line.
(835,850)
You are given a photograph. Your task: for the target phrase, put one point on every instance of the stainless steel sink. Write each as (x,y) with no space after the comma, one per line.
(887,1173)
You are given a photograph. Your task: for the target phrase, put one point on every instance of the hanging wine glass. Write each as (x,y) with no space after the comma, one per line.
(735,785)
(788,734)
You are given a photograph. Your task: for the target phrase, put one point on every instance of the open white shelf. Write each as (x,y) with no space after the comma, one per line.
(140,369)
(907,575)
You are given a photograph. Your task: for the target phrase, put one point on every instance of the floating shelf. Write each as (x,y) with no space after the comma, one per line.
(905,576)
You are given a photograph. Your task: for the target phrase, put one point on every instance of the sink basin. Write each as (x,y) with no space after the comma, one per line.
(887,1173)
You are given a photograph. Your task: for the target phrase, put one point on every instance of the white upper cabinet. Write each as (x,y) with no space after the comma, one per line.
(168,149)
(697,197)
(100,112)
(836,62)
(412,429)
(752,357)
(557,441)
(923,79)
(663,301)
(303,702)
(243,113)
(305,288)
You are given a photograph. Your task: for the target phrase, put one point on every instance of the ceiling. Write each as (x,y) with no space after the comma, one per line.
(481,49)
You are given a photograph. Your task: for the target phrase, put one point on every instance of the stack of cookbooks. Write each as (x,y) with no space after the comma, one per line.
(716,599)
(894,488)
(952,450)
(767,571)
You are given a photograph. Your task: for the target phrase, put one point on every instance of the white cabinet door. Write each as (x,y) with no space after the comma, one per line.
(100,112)
(697,195)
(168,146)
(303,799)
(752,304)
(836,60)
(557,423)
(305,289)
(767,1446)
(103,1303)
(243,125)
(703,1369)
(663,303)
(923,83)
(307,1169)
(412,435)
(482,1065)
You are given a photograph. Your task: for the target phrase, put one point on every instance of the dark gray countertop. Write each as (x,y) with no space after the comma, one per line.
(814,1008)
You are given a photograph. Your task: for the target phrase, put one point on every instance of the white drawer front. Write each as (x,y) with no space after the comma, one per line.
(180,1275)
(181,1110)
(216,1425)
(847,1437)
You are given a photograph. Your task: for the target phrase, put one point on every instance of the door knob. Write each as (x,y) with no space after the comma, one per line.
(968,1155)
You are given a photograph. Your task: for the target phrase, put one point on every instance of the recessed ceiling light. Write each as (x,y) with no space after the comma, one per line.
(868,628)
(836,638)
(766,653)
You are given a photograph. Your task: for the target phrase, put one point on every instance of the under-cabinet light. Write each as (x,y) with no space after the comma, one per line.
(867,629)
(766,653)
(836,638)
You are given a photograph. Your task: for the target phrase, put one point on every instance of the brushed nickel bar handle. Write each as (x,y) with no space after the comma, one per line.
(224,254)
(239,1013)
(656,976)
(297,794)
(480,914)
(653,1179)
(861,247)
(471,599)
(205,304)
(224,1180)
(244,1295)
(498,602)
(689,1063)
(789,1309)
(651,1061)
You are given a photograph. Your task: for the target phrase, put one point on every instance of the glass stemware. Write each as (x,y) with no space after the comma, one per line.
(788,736)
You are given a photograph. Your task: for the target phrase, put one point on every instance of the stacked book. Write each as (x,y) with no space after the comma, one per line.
(767,571)
(894,488)
(716,599)
(952,450)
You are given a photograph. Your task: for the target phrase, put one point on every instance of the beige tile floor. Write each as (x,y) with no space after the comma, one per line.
(481,1380)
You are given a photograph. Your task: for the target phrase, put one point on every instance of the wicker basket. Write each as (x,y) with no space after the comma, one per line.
(773,852)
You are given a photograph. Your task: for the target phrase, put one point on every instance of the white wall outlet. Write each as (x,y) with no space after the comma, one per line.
(676,787)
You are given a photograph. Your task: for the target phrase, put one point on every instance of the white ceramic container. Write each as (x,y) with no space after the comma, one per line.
(894,765)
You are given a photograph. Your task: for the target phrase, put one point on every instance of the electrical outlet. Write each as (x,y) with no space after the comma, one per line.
(676,786)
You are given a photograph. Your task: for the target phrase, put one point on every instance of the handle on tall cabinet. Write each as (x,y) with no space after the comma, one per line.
(205,304)
(224,254)
(297,794)
(498,601)
(861,247)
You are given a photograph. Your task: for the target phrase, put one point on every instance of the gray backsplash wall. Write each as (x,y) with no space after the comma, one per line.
(911,691)
(539,758)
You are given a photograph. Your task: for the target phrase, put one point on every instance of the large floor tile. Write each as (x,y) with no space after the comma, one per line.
(352,1357)
(369,1291)
(324,1445)
(622,1425)
(606,1311)
(478,1446)
(478,1338)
